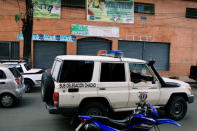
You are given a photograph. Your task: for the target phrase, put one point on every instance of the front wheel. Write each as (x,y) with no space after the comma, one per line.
(29,85)
(177,108)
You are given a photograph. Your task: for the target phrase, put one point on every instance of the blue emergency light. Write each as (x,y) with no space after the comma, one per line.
(111,53)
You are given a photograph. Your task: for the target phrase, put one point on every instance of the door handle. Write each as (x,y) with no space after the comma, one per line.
(102,89)
(2,82)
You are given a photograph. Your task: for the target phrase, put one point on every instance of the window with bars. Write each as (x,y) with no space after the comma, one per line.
(73,3)
(145,8)
(191,13)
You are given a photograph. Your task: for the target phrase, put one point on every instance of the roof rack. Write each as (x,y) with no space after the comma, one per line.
(17,61)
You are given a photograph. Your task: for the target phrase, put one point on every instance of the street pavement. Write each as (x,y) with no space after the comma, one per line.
(31,115)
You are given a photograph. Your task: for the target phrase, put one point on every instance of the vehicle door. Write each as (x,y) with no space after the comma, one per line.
(3,81)
(143,80)
(113,84)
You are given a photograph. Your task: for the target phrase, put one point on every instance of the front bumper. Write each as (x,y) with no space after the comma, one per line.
(37,83)
(190,98)
(58,110)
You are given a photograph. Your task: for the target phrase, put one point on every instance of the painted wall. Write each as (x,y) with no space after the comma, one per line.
(167,25)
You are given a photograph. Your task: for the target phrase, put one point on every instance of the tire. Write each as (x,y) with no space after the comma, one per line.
(29,85)
(47,87)
(177,108)
(94,109)
(7,100)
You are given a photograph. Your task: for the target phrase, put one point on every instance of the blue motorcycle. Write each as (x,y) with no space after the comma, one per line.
(144,118)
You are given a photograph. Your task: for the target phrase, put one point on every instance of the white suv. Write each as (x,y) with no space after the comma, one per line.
(98,85)
(32,77)
(11,86)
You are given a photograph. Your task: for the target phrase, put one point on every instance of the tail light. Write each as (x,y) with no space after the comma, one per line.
(56,99)
(17,80)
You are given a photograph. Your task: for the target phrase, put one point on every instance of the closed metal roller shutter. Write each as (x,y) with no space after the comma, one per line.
(158,52)
(46,51)
(90,46)
(14,50)
(131,49)
(9,50)
(147,51)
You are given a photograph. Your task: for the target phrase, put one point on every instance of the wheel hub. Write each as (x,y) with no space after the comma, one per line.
(178,108)
(6,100)
(94,111)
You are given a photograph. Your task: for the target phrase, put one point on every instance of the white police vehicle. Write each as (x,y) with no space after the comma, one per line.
(32,77)
(99,85)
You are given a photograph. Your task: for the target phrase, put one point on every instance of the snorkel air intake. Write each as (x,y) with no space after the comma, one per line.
(151,64)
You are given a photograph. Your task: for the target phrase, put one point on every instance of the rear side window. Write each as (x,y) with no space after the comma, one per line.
(55,69)
(76,71)
(20,69)
(2,75)
(112,72)
(15,72)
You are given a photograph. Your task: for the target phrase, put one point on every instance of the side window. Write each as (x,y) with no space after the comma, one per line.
(2,75)
(112,72)
(19,69)
(76,71)
(55,69)
(139,73)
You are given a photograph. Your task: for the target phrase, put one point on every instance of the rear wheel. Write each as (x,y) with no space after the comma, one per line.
(7,100)
(177,108)
(94,109)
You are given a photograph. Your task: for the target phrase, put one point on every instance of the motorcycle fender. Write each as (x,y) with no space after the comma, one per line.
(163,121)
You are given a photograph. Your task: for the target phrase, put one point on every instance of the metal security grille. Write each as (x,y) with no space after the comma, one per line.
(46,51)
(191,13)
(145,8)
(90,46)
(73,3)
(147,51)
(9,50)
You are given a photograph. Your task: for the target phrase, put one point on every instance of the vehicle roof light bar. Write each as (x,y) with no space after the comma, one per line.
(111,53)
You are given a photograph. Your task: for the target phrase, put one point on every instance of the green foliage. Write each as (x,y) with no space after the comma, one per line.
(18,17)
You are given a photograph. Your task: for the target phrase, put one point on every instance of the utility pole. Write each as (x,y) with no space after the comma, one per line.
(27,31)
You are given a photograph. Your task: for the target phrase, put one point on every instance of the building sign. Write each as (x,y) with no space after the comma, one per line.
(101,31)
(49,37)
(120,11)
(47,8)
